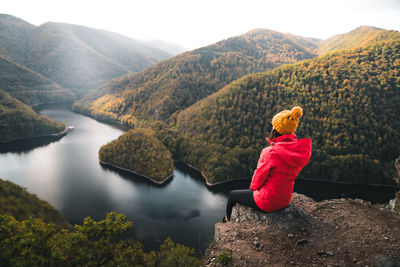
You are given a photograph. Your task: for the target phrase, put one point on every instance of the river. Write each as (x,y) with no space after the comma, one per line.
(65,172)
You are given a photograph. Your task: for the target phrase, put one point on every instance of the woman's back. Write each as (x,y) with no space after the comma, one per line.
(272,185)
(286,157)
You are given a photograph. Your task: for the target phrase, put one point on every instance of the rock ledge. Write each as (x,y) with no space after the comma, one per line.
(339,232)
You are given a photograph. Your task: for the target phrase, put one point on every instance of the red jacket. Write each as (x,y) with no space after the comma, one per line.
(277,168)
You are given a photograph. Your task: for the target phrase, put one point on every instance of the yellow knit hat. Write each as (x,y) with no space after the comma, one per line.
(285,122)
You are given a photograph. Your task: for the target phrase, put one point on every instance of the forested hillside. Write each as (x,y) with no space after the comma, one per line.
(140,151)
(46,63)
(16,201)
(81,58)
(362,36)
(174,84)
(14,34)
(351,107)
(224,134)
(18,120)
(75,57)
(29,86)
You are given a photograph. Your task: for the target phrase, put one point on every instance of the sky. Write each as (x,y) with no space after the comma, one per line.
(194,24)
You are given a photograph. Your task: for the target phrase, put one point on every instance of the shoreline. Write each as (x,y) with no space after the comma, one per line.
(62,133)
(105,120)
(348,183)
(206,179)
(136,173)
(38,105)
(302,179)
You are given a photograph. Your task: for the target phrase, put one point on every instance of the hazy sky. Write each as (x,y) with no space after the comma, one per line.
(198,23)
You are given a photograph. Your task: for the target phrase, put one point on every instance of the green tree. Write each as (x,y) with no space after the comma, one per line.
(33,242)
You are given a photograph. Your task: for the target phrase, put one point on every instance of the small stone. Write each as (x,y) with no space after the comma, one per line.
(330,253)
(256,244)
(290,235)
(386,238)
(302,241)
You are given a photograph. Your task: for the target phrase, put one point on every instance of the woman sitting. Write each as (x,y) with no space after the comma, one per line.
(279,164)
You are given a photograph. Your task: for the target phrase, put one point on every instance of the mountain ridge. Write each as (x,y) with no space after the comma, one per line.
(136,91)
(176,83)
(13,32)
(28,86)
(361,36)
(76,57)
(169,47)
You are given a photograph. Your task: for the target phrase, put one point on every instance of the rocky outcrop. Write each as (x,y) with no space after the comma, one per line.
(340,232)
(286,219)
(395,203)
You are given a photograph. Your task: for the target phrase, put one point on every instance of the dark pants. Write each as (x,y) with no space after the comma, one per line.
(244,197)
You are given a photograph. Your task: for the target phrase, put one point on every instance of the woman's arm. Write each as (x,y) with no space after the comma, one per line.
(265,163)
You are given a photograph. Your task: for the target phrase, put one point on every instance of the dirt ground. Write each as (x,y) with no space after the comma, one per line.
(339,232)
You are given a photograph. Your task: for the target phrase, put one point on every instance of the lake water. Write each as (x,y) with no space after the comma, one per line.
(65,172)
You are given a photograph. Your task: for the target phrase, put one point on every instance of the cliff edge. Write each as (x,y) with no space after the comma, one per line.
(339,232)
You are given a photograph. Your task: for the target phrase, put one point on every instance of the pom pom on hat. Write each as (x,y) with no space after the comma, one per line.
(285,122)
(296,112)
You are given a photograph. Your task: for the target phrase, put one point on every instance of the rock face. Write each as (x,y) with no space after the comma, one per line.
(286,218)
(340,232)
(395,203)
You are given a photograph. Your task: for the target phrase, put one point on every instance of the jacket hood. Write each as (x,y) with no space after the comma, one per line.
(294,152)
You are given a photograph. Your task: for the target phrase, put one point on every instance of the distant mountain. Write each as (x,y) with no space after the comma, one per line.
(362,36)
(18,120)
(174,84)
(75,57)
(29,86)
(351,111)
(81,58)
(310,43)
(14,34)
(170,48)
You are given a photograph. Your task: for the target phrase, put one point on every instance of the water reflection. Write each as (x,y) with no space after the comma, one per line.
(26,145)
(133,177)
(222,188)
(174,215)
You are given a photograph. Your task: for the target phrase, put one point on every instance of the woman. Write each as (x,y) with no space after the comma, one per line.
(272,184)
